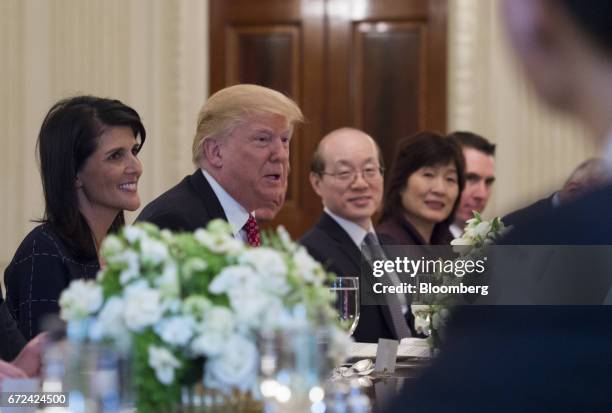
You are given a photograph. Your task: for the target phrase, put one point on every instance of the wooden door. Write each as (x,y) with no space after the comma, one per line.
(378,65)
(387,68)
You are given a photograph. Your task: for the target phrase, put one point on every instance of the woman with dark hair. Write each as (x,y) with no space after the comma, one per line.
(423,190)
(87,148)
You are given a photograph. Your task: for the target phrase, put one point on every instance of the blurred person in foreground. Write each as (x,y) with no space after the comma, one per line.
(587,177)
(88,152)
(544,358)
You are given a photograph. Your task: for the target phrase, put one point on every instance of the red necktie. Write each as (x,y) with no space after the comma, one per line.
(252,231)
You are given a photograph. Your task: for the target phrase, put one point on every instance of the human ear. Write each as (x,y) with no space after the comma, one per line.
(211,149)
(315,182)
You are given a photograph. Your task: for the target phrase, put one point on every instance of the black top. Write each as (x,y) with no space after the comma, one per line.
(41,269)
(187,206)
(403,233)
(11,339)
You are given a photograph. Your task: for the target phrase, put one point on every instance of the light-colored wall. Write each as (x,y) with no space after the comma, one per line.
(151,54)
(536,149)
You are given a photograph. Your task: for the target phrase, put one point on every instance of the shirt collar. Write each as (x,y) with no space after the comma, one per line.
(356,232)
(235,213)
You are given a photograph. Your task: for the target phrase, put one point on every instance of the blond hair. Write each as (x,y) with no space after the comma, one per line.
(227,108)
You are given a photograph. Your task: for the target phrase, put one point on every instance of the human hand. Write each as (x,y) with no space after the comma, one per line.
(29,359)
(7,370)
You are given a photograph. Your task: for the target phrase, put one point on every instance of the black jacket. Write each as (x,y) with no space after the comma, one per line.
(329,244)
(189,205)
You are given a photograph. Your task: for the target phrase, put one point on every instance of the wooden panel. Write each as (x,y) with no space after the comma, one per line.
(342,70)
(389,86)
(387,67)
(268,56)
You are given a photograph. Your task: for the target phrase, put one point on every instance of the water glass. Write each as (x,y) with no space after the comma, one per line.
(346,293)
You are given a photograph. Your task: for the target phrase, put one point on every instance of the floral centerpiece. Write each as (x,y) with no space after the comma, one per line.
(478,234)
(190,305)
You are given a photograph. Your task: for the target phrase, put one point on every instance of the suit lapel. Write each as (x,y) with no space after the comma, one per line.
(348,247)
(207,195)
(343,240)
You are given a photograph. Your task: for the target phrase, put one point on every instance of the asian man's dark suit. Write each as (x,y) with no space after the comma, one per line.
(329,244)
(528,359)
(189,205)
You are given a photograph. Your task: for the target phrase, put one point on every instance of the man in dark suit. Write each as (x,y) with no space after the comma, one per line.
(479,156)
(546,358)
(588,176)
(346,173)
(241,149)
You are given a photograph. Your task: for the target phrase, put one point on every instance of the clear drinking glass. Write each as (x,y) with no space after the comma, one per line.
(293,366)
(346,292)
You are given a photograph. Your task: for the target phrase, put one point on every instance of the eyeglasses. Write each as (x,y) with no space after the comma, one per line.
(370,173)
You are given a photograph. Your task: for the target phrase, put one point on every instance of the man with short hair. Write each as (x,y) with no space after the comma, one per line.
(241,151)
(479,156)
(346,172)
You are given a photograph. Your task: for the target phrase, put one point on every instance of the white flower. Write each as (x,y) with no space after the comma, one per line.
(220,243)
(132,271)
(461,242)
(482,229)
(274,315)
(132,233)
(215,329)
(176,330)
(265,261)
(111,245)
(152,251)
(309,269)
(196,306)
(168,281)
(193,265)
(219,227)
(109,324)
(80,299)
(142,306)
(285,239)
(231,277)
(235,367)
(164,363)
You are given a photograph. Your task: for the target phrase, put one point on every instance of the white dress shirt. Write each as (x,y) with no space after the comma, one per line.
(356,232)
(236,214)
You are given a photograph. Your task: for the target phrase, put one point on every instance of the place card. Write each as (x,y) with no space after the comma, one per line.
(386,355)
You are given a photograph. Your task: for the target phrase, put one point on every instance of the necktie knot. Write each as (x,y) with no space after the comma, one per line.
(252,231)
(371,239)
